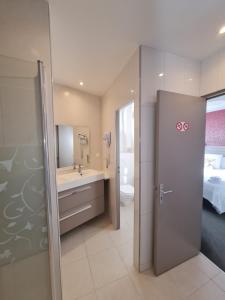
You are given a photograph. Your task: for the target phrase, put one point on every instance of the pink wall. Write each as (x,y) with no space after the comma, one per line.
(215,128)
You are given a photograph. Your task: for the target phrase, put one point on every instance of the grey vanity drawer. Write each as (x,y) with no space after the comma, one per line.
(74,198)
(81,214)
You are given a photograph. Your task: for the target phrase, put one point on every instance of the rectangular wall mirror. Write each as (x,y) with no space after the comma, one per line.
(72,145)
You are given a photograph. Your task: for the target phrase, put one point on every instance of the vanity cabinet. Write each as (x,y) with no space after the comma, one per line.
(80,204)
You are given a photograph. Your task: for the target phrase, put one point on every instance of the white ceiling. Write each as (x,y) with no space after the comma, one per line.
(93,39)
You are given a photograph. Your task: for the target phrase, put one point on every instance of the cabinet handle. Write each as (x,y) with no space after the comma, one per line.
(74,192)
(64,196)
(82,189)
(76,212)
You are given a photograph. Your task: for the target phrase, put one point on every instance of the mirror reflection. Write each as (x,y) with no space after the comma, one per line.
(72,145)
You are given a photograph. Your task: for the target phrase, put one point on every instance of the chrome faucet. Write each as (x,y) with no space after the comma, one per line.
(80,169)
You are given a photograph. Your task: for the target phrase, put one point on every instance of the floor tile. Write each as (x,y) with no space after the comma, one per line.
(187,277)
(205,265)
(155,288)
(126,253)
(220,280)
(178,283)
(97,264)
(127,214)
(124,217)
(72,246)
(106,266)
(122,289)
(210,291)
(74,235)
(76,279)
(98,242)
(121,236)
(95,226)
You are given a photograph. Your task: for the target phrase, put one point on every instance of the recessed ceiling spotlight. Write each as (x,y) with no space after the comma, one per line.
(132,91)
(81,83)
(161,74)
(66,93)
(190,79)
(222,30)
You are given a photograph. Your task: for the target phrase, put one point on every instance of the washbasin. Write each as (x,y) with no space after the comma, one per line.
(68,176)
(71,178)
(73,175)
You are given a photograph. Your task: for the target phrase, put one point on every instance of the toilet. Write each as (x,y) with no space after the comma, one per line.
(126,194)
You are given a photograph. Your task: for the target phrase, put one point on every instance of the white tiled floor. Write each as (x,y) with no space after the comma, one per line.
(97,265)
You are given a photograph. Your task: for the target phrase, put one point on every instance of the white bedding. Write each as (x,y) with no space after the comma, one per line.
(214,192)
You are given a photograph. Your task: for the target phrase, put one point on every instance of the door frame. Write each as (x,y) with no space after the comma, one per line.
(117,174)
(214,94)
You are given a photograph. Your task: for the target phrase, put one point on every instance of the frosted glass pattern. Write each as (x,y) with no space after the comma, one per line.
(23,212)
(22,207)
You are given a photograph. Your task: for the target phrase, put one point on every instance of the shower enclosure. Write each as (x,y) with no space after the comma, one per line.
(29,246)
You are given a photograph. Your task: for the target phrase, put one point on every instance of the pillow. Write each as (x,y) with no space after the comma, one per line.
(213,160)
(222,163)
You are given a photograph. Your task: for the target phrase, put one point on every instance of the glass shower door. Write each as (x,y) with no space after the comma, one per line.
(24,253)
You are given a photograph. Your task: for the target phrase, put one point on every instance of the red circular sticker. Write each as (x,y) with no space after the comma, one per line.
(185,126)
(182,126)
(179,126)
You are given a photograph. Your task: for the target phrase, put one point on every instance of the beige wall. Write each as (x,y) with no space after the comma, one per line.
(118,96)
(181,75)
(80,109)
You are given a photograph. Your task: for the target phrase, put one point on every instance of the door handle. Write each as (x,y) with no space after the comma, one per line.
(162,193)
(167,192)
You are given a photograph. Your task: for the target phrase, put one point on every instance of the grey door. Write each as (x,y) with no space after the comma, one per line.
(180,138)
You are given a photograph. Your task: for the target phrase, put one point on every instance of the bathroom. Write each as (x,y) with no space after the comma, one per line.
(82,183)
(81,199)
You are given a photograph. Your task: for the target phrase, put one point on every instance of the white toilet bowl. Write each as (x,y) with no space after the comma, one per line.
(126,194)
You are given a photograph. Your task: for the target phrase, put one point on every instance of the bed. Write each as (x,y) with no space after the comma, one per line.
(214,188)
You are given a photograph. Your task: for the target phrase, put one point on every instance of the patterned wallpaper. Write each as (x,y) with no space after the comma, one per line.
(215,128)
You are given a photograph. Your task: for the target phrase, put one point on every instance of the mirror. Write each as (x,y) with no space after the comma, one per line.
(72,145)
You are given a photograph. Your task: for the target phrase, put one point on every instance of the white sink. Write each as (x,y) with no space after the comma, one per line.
(69,178)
